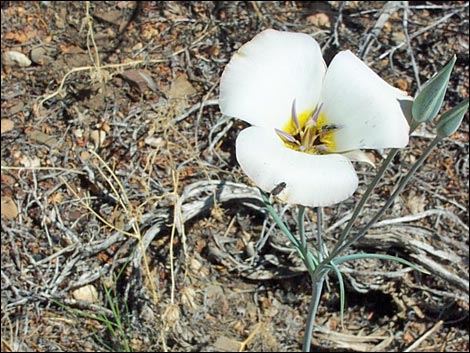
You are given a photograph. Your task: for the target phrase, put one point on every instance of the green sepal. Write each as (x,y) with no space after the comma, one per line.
(428,100)
(450,121)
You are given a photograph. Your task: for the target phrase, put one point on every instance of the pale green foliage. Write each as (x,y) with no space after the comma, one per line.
(317,259)
(450,121)
(429,98)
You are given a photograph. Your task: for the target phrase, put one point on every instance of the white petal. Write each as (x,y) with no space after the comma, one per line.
(359,156)
(311,180)
(266,74)
(367,108)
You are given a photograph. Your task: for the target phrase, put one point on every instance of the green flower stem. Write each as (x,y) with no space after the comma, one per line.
(310,261)
(303,237)
(389,202)
(318,277)
(393,152)
(321,248)
(279,222)
(308,258)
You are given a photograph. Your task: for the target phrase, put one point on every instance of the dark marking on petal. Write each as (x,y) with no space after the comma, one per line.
(327,128)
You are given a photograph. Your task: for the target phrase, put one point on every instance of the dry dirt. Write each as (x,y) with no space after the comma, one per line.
(128,225)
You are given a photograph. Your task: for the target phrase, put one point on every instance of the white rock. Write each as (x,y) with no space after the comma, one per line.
(98,137)
(86,293)
(16,58)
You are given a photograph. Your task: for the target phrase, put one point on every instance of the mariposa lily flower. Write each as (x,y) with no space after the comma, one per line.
(308,121)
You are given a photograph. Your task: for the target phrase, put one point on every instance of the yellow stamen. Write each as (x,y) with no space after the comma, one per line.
(313,138)
(290,127)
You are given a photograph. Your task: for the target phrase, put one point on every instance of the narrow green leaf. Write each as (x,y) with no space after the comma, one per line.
(346,258)
(342,292)
(450,121)
(280,223)
(428,100)
(311,261)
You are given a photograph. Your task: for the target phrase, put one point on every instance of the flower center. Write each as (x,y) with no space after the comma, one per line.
(309,132)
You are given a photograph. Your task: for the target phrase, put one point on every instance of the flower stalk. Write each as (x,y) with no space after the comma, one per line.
(389,202)
(318,278)
(309,121)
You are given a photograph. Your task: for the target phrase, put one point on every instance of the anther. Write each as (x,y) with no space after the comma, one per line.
(317,114)
(285,136)
(322,148)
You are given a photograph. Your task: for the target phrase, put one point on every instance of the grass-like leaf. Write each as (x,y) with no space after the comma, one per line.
(342,293)
(351,257)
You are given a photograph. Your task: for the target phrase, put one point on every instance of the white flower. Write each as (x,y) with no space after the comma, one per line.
(308,121)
